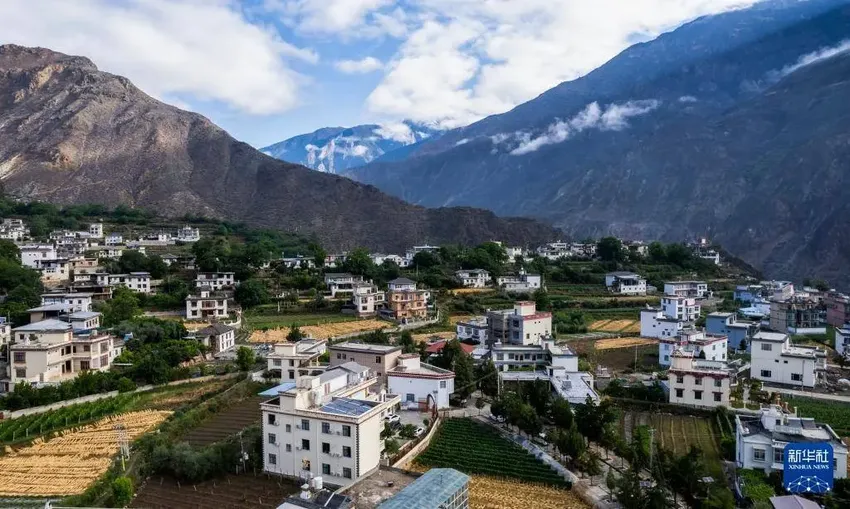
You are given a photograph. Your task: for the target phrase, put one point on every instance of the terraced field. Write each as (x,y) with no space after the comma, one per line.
(227,422)
(231,492)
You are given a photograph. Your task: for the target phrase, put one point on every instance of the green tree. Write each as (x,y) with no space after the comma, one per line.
(610,249)
(488,378)
(359,263)
(562,414)
(157,267)
(391,446)
(294,335)
(251,293)
(406,342)
(124,305)
(245,358)
(122,491)
(318,253)
(569,442)
(425,260)
(479,404)
(464,374)
(9,251)
(542,300)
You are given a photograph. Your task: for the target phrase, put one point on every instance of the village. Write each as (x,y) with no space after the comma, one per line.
(602,373)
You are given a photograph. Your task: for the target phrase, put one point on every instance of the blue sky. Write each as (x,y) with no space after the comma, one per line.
(266,70)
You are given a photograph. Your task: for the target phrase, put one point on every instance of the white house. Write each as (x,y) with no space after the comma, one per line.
(188,234)
(703,345)
(217,337)
(522,325)
(367,299)
(760,441)
(298,261)
(475,278)
(96,230)
(327,425)
(515,253)
(625,283)
(695,289)
(474,329)
(698,382)
(113,239)
(14,230)
(5,331)
(31,254)
(72,302)
(655,324)
(420,385)
(842,341)
(774,359)
(686,309)
(215,280)
(341,284)
(136,281)
(54,269)
(295,359)
(206,304)
(521,283)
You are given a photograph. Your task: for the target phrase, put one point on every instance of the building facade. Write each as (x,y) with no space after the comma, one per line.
(774,359)
(625,283)
(474,329)
(476,278)
(206,304)
(701,344)
(693,289)
(522,325)
(420,385)
(739,332)
(698,382)
(136,281)
(686,309)
(378,358)
(406,302)
(296,359)
(216,281)
(217,337)
(798,315)
(837,309)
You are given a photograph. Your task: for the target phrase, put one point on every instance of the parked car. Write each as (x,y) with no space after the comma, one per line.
(419,431)
(498,418)
(392,419)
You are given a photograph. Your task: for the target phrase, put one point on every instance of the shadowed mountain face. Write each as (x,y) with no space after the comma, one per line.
(734,126)
(72,134)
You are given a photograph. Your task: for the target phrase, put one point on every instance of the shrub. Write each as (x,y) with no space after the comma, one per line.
(122,491)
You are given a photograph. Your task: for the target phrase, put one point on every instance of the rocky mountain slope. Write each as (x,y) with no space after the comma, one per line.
(733,126)
(72,134)
(337,149)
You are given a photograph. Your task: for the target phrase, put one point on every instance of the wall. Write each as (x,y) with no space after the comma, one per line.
(420,388)
(419,447)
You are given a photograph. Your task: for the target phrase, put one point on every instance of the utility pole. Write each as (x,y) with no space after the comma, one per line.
(651,447)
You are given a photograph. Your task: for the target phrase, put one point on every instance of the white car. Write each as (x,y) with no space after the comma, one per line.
(498,418)
(419,431)
(392,418)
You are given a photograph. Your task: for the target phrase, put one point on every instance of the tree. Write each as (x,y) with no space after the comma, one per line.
(318,253)
(464,374)
(157,267)
(539,395)
(122,491)
(408,345)
(358,262)
(9,251)
(479,404)
(251,293)
(391,446)
(124,305)
(294,335)
(610,249)
(542,300)
(425,260)
(245,358)
(488,378)
(611,482)
(562,414)
(569,442)
(592,418)
(408,431)
(590,463)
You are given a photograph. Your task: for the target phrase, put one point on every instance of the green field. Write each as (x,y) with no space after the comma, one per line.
(677,433)
(263,321)
(474,448)
(834,413)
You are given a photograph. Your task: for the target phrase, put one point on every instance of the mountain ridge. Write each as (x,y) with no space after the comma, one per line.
(70,133)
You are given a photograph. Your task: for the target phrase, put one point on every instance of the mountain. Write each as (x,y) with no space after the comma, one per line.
(337,149)
(70,133)
(733,126)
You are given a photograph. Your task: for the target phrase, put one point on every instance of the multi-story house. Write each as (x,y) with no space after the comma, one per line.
(53,270)
(379,358)
(774,359)
(837,309)
(739,332)
(842,341)
(327,425)
(405,301)
(654,323)
(686,309)
(96,230)
(698,382)
(760,441)
(367,299)
(419,385)
(703,345)
(474,278)
(206,304)
(14,230)
(379,259)
(521,283)
(296,359)
(217,337)
(515,253)
(5,331)
(341,284)
(71,302)
(136,281)
(298,262)
(625,283)
(693,289)
(31,254)
(798,315)
(188,234)
(113,239)
(215,280)
(522,325)
(473,329)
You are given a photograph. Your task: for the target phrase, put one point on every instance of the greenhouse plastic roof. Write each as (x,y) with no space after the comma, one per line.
(430,491)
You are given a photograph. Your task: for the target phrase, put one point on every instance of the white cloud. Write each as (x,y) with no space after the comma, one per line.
(688,99)
(813,57)
(363,66)
(204,49)
(466,59)
(396,131)
(613,118)
(337,17)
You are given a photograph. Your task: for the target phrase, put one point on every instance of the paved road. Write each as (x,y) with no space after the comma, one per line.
(807,394)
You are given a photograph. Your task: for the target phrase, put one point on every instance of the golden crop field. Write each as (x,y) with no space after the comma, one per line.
(325,331)
(459,318)
(615,326)
(612,343)
(467,291)
(68,463)
(422,338)
(492,493)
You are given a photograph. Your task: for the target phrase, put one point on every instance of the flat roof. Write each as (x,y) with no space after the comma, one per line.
(274,391)
(430,491)
(83,315)
(48,307)
(771,336)
(365,348)
(348,406)
(44,326)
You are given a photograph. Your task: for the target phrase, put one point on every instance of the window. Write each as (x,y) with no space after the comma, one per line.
(289,428)
(377,359)
(305,424)
(326,448)
(305,465)
(777,455)
(305,444)
(797,377)
(272,459)
(680,393)
(272,438)
(718,382)
(346,430)
(20,356)
(346,451)
(680,379)
(697,394)
(326,469)
(766,347)
(758,455)
(698,380)
(291,363)
(291,374)
(277,362)
(326,428)
(346,472)
(21,372)
(288,447)
(339,356)
(765,373)
(718,396)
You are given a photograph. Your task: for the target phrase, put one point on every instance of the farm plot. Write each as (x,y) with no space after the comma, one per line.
(170,398)
(621,325)
(492,493)
(231,492)
(227,422)
(324,331)
(67,464)
(614,343)
(277,321)
(474,448)
(677,433)
(834,413)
